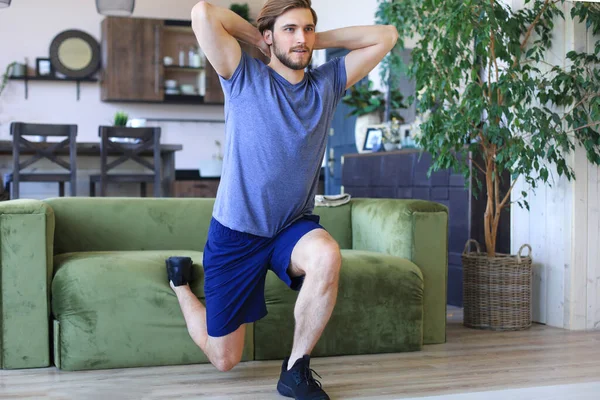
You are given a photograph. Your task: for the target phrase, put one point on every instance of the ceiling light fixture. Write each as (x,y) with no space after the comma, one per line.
(114,7)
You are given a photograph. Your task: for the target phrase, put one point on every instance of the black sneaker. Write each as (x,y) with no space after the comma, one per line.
(299,383)
(179,270)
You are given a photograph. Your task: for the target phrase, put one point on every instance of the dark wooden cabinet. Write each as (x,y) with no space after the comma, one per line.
(132,60)
(200,187)
(133,52)
(403,175)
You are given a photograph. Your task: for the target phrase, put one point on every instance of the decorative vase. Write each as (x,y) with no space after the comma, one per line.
(360,131)
(18,70)
(497,290)
(390,146)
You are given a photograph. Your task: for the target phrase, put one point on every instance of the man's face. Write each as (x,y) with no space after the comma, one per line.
(293,38)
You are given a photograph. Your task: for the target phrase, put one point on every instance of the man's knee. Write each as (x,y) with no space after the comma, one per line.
(225,362)
(226,352)
(327,262)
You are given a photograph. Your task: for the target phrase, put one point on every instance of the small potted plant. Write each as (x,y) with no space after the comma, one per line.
(392,135)
(121,118)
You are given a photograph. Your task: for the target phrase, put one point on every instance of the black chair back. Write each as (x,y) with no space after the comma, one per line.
(145,139)
(49,150)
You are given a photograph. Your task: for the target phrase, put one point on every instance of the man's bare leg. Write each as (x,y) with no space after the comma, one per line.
(223,352)
(317,256)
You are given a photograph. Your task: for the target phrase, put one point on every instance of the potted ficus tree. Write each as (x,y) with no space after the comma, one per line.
(495,97)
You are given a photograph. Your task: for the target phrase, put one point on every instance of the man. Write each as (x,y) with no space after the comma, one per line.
(277,119)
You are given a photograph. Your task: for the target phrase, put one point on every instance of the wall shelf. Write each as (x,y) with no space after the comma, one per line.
(186,120)
(26,79)
(178,26)
(183,69)
(183,99)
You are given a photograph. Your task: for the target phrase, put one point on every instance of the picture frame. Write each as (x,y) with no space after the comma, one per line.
(374,139)
(43,67)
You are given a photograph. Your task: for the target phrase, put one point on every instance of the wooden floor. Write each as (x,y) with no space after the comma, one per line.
(471,361)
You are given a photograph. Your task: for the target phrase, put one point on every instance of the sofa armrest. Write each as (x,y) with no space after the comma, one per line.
(26,240)
(418,231)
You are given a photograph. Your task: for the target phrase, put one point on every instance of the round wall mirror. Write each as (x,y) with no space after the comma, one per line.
(75,54)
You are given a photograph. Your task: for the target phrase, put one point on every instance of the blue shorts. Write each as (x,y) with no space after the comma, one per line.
(235,267)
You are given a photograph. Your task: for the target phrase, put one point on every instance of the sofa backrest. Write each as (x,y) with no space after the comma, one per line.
(110,224)
(121,224)
(338,222)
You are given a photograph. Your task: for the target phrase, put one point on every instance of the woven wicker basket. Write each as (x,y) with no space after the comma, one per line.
(496,290)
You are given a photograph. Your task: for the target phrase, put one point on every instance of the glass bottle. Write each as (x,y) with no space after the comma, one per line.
(202,83)
(191,56)
(181,56)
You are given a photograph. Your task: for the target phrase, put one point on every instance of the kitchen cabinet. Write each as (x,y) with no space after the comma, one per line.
(134,69)
(131,59)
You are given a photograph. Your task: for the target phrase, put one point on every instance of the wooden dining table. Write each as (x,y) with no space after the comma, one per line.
(92,149)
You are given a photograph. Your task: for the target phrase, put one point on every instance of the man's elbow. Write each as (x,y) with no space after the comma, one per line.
(201,11)
(392,35)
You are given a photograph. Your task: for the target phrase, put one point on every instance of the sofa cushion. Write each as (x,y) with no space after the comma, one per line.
(379,310)
(116,309)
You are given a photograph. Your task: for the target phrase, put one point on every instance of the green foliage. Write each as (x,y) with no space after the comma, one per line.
(363,99)
(121,119)
(243,10)
(486,76)
(5,76)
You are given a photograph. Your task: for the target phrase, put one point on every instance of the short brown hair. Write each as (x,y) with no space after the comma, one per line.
(274,8)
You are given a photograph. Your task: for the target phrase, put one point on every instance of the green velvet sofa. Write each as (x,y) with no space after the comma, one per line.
(84,286)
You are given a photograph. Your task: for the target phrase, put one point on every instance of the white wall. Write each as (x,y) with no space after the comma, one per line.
(563,226)
(27,28)
(582,300)
(335,14)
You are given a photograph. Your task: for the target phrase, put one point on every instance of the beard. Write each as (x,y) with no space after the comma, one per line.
(286,56)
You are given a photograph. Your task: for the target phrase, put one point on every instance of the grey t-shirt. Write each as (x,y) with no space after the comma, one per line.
(276,135)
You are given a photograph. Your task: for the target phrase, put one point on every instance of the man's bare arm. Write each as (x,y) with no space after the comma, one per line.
(217,29)
(368,45)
